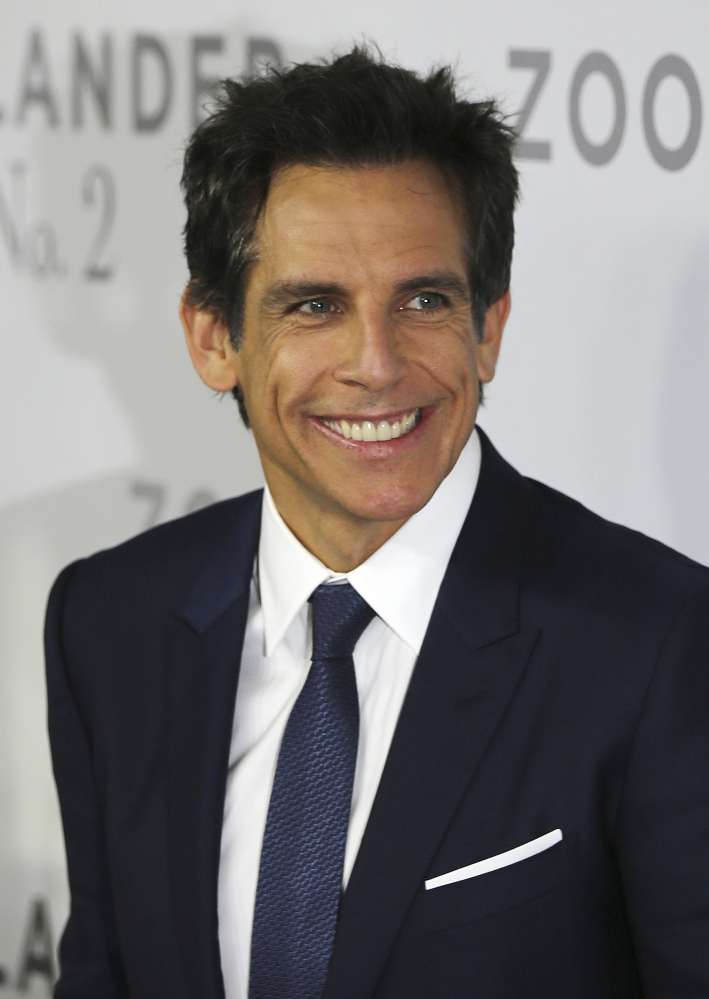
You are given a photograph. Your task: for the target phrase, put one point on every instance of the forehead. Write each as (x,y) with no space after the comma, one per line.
(407,215)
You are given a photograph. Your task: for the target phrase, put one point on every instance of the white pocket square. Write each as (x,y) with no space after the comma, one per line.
(522,852)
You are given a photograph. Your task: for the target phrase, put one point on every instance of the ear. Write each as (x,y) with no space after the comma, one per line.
(213,355)
(489,347)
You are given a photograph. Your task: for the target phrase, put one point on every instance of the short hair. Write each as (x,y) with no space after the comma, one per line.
(355,110)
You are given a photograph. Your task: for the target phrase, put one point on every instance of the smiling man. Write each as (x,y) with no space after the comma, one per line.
(404,723)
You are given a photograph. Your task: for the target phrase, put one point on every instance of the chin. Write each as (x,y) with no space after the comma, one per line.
(387,509)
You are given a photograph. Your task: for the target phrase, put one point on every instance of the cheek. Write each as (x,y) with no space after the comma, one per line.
(294,376)
(452,363)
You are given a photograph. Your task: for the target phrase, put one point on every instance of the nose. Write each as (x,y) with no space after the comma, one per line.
(374,359)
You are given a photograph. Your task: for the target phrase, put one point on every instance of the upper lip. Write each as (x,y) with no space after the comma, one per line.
(372,417)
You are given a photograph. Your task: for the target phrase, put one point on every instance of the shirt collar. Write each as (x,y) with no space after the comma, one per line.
(400,581)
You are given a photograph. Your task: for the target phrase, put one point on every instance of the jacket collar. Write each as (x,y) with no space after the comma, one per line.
(226,575)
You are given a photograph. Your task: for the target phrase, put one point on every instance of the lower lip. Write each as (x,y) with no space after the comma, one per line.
(375,449)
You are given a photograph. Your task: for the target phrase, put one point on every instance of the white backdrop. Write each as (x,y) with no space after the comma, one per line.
(105,429)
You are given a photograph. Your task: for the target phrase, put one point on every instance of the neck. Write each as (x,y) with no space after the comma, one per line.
(339,541)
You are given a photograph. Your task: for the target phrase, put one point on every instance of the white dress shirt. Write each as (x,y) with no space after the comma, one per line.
(400,581)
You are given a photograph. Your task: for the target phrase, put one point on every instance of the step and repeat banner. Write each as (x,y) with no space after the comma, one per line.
(104,428)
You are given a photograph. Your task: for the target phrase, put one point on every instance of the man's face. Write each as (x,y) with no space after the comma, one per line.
(358,324)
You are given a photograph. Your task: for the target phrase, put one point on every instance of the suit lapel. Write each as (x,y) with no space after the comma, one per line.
(205,639)
(470,665)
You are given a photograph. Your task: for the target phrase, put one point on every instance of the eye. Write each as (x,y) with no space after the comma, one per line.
(425,301)
(316,306)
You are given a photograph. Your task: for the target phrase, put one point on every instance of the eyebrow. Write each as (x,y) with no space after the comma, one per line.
(284,292)
(443,280)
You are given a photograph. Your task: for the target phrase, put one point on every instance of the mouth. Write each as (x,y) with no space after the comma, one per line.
(374,429)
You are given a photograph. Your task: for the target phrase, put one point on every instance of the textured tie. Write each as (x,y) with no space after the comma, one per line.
(300,875)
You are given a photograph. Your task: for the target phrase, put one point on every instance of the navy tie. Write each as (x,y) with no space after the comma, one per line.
(302,858)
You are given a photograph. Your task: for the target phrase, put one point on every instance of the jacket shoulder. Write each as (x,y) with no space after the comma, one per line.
(153,571)
(177,541)
(616,567)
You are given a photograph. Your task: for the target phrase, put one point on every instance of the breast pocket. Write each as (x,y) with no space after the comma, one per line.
(496,891)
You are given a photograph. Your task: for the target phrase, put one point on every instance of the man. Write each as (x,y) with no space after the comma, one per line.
(509,776)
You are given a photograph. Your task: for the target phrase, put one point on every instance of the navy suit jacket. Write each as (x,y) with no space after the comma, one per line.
(563,684)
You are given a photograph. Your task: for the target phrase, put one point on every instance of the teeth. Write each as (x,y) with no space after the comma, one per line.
(367,430)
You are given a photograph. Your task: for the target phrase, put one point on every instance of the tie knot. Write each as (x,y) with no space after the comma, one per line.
(340,616)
